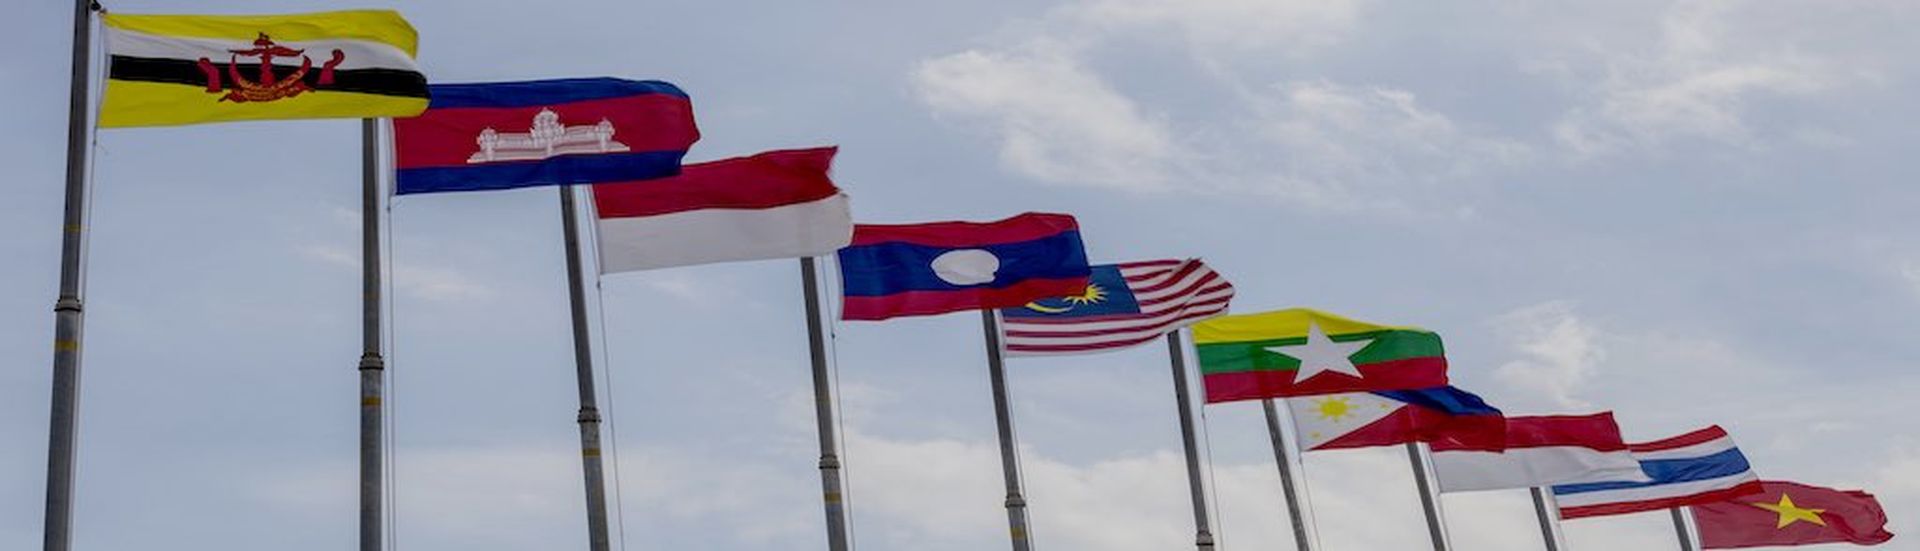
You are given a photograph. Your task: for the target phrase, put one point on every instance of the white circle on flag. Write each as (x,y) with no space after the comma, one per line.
(966,266)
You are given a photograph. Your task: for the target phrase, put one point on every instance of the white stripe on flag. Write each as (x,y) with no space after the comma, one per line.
(1171,294)
(1650,493)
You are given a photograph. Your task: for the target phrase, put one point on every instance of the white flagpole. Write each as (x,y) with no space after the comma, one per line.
(1017,521)
(1424,480)
(832,482)
(1189,438)
(64,415)
(1684,527)
(1283,456)
(373,367)
(1547,510)
(592,465)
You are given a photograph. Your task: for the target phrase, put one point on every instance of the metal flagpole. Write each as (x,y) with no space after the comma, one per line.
(1688,532)
(1296,511)
(373,367)
(832,482)
(63,419)
(1547,509)
(589,417)
(1203,524)
(1429,495)
(1009,456)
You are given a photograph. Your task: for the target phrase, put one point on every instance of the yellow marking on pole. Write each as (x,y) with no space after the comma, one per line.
(1019,532)
(74,228)
(590,452)
(370,401)
(66,346)
(833,497)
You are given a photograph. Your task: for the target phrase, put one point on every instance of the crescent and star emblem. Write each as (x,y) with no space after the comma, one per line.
(1093,295)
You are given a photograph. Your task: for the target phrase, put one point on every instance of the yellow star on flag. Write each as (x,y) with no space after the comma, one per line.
(1790,513)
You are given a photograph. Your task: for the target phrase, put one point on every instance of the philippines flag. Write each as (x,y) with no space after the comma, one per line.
(1702,466)
(1123,305)
(1387,418)
(1541,451)
(925,269)
(548,132)
(778,204)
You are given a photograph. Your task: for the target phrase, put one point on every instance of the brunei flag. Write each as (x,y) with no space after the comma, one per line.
(167,70)
(1302,352)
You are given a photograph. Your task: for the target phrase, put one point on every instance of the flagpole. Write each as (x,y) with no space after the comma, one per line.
(1183,399)
(1296,511)
(1547,509)
(1688,532)
(64,406)
(1423,476)
(832,483)
(373,366)
(589,416)
(1017,523)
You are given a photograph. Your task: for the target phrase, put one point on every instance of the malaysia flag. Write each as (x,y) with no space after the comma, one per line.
(548,132)
(925,269)
(1702,466)
(1123,306)
(1386,418)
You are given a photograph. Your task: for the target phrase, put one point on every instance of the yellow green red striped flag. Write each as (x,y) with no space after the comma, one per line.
(1300,352)
(168,70)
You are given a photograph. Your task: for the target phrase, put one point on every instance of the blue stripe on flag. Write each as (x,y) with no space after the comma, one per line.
(534,93)
(1672,471)
(1450,400)
(564,169)
(883,269)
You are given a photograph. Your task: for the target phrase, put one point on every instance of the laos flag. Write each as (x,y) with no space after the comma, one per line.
(925,269)
(548,132)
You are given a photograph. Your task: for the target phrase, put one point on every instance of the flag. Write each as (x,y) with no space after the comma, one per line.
(1540,451)
(1787,513)
(1387,418)
(1302,352)
(166,70)
(1702,466)
(924,269)
(546,132)
(1123,305)
(778,204)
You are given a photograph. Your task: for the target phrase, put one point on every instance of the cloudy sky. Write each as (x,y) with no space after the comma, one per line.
(1689,212)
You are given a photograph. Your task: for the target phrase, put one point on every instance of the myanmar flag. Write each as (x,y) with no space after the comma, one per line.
(166,70)
(1302,352)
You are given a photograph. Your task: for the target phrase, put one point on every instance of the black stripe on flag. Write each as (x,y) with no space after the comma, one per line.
(386,82)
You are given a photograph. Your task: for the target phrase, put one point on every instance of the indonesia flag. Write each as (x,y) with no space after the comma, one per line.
(1388,418)
(1702,466)
(779,204)
(1124,305)
(1541,451)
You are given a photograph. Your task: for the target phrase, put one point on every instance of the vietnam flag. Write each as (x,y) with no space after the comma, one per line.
(1787,513)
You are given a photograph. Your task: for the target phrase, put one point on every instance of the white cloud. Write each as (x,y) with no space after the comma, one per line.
(1559,352)
(1055,120)
(1693,78)
(420,282)
(1289,25)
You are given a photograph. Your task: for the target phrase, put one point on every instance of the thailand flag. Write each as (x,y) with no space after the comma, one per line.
(549,132)
(925,269)
(1456,418)
(1541,451)
(1702,466)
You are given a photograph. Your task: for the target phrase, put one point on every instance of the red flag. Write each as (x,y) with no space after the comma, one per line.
(1786,513)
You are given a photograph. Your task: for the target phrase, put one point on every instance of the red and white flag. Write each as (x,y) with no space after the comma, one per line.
(779,204)
(1124,305)
(1541,451)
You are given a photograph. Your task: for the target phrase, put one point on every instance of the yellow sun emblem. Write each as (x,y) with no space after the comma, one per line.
(1333,409)
(1093,295)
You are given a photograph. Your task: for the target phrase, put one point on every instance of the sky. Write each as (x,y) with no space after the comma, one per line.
(1687,212)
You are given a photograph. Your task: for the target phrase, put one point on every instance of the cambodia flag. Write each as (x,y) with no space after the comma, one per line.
(925,269)
(548,132)
(1447,415)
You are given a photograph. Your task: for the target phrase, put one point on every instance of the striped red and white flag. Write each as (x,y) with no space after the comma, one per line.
(1124,305)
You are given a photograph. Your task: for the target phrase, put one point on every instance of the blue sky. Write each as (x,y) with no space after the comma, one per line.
(1689,212)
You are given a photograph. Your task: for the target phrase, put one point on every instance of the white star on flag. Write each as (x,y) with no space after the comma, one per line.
(1321,354)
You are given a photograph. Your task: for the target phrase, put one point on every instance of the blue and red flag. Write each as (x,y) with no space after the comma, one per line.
(925,269)
(507,135)
(1441,415)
